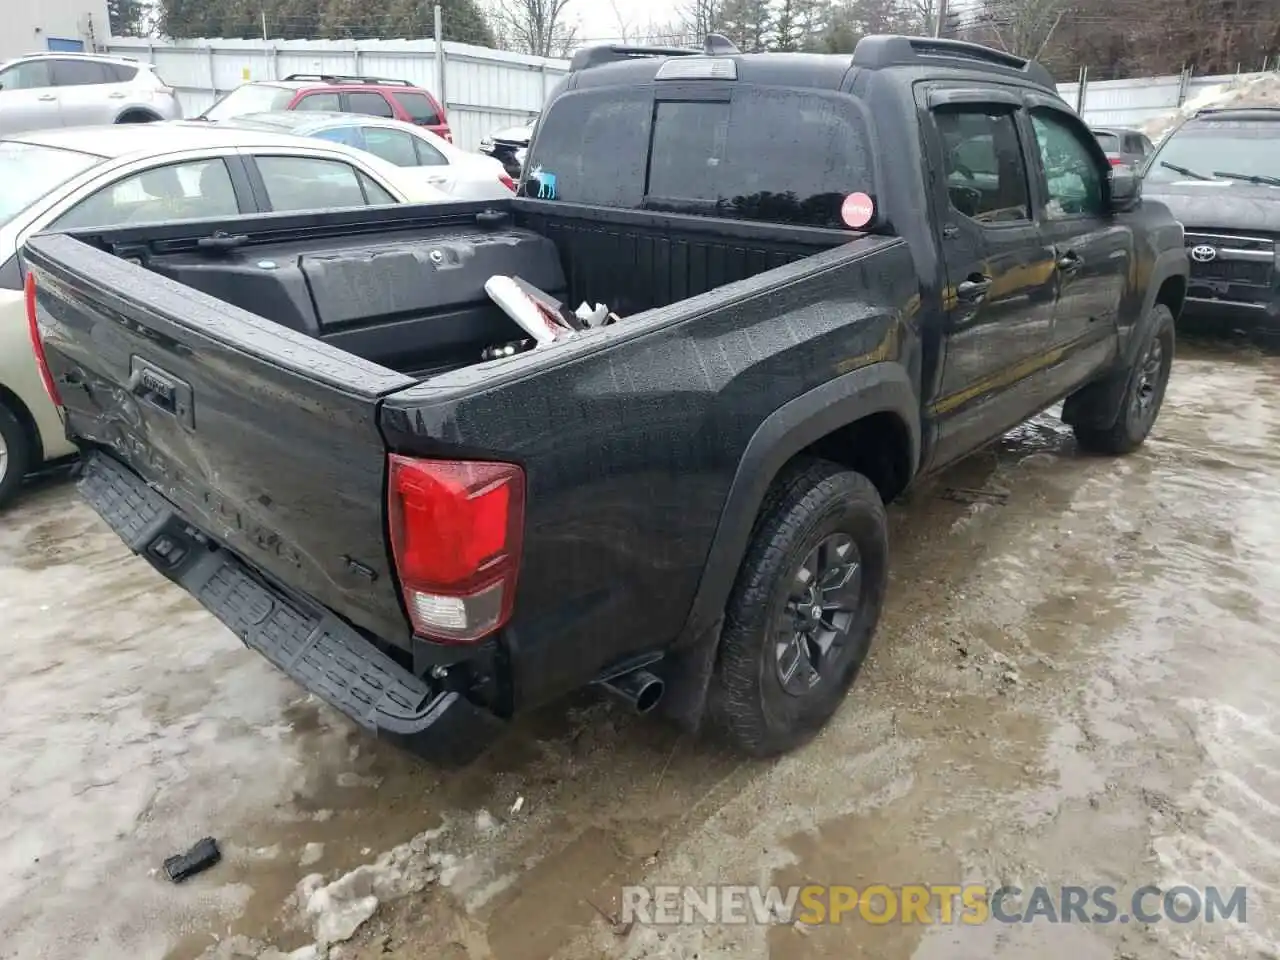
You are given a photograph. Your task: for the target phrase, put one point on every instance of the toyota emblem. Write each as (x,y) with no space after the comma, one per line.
(1204,253)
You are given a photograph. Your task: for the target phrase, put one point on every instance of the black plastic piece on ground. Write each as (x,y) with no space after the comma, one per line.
(199,858)
(321,652)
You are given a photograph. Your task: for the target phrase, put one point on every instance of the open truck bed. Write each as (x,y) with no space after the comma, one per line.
(265,435)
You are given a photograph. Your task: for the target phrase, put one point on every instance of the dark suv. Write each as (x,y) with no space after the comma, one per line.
(376,97)
(1219,173)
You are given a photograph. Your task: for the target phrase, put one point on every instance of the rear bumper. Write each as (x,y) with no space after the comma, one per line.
(319,651)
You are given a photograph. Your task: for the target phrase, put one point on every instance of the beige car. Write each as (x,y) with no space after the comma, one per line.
(98,176)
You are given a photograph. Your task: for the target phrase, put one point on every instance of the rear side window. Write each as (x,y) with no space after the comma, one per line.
(394,146)
(1109,142)
(121,72)
(309,183)
(429,156)
(420,108)
(982,159)
(79,73)
(326,102)
(778,156)
(371,104)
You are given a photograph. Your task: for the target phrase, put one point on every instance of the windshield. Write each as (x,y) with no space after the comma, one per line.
(1205,147)
(30,171)
(251,98)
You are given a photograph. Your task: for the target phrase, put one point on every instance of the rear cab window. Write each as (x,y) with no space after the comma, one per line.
(643,148)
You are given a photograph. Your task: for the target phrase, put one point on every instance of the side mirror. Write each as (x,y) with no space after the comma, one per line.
(1126,189)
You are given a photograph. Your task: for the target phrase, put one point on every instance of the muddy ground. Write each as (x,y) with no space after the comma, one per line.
(1074,683)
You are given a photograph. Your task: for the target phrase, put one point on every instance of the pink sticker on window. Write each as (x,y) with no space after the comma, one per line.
(857,210)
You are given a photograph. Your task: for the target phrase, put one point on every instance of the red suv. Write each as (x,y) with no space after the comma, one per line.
(395,99)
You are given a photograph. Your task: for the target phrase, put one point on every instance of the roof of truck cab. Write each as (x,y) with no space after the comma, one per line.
(820,70)
(123,140)
(617,66)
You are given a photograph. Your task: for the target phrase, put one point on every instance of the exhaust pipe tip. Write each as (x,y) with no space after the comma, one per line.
(640,689)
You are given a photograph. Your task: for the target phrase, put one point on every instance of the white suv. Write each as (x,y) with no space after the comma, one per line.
(79,90)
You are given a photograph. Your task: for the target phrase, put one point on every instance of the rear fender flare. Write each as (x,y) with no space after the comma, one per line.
(878,388)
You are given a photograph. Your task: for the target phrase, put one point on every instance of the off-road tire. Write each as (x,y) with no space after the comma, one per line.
(747,703)
(1137,415)
(18,462)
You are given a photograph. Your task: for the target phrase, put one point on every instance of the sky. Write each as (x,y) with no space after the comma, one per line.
(597,21)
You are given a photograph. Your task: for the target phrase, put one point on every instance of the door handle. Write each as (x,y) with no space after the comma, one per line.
(48,96)
(974,288)
(1070,262)
(116,96)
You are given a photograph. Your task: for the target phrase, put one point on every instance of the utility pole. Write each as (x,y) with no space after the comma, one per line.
(941,23)
(264,23)
(439,25)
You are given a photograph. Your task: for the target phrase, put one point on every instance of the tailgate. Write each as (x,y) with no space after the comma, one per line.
(265,439)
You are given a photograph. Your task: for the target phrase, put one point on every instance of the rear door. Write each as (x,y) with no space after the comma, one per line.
(263,438)
(1000,284)
(88,93)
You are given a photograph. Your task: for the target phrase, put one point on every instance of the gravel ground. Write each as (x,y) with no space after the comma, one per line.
(1074,683)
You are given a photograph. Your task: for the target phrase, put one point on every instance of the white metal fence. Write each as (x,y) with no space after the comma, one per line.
(483,89)
(488,89)
(1129,103)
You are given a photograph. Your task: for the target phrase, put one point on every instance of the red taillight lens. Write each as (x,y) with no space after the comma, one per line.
(37,347)
(507,182)
(1116,161)
(456,531)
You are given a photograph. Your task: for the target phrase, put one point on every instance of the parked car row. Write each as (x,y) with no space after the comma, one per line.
(71,158)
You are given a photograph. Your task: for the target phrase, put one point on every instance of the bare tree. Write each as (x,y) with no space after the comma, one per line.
(538,27)
(700,17)
(1022,27)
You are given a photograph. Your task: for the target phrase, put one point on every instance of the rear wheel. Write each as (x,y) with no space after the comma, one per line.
(15,455)
(138,116)
(801,615)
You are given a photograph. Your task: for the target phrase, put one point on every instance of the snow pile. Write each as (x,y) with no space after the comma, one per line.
(336,910)
(1259,90)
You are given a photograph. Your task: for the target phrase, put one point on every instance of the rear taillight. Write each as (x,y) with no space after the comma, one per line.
(456,530)
(507,182)
(37,347)
(1116,161)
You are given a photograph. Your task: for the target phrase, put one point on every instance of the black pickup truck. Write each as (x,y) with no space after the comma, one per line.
(834,275)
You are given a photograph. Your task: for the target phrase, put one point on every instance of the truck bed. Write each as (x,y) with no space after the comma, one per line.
(406,291)
(246,372)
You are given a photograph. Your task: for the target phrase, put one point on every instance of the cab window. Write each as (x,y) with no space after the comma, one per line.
(986,177)
(1073,177)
